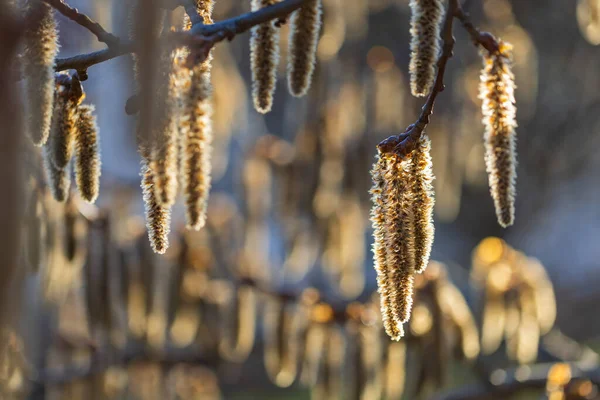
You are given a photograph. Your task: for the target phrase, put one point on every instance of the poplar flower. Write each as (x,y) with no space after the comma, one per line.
(158,217)
(423,203)
(87,154)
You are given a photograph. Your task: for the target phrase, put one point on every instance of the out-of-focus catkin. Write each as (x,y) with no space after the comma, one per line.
(425,31)
(87,155)
(499,117)
(41,47)
(59,179)
(305,27)
(158,217)
(423,203)
(264,56)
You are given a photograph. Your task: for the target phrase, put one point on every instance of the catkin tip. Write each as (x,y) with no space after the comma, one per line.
(158,217)
(264,59)
(425,32)
(305,26)
(87,154)
(499,118)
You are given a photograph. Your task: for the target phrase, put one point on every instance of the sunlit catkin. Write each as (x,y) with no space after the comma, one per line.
(380,258)
(59,179)
(41,47)
(423,203)
(425,32)
(87,155)
(499,117)
(305,26)
(264,58)
(400,234)
(158,217)
(69,95)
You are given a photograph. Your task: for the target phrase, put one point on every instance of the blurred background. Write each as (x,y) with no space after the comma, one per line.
(289,211)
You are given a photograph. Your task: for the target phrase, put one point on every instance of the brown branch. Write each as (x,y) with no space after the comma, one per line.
(200,35)
(85,21)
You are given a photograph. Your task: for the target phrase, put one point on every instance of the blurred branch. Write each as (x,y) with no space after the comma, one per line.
(85,21)
(201,36)
(404,143)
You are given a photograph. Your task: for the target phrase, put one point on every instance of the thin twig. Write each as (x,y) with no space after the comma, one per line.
(85,21)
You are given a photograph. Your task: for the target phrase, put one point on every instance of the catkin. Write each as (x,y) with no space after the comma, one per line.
(61,141)
(425,32)
(264,58)
(499,117)
(59,179)
(305,26)
(87,155)
(41,47)
(423,203)
(158,217)
(400,234)
(378,217)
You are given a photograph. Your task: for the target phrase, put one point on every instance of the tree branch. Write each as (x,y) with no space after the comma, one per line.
(85,21)
(199,35)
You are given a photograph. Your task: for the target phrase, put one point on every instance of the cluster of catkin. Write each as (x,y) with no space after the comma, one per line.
(499,117)
(305,26)
(519,302)
(402,218)
(174,128)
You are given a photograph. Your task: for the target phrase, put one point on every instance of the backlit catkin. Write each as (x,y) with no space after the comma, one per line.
(305,26)
(158,217)
(378,220)
(59,179)
(499,117)
(264,58)
(87,154)
(61,141)
(425,32)
(41,47)
(423,203)
(400,234)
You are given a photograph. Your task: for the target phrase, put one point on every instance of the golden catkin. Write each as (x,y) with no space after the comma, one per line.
(423,203)
(41,48)
(87,154)
(400,234)
(305,27)
(499,117)
(380,258)
(59,179)
(425,32)
(158,217)
(264,58)
(64,121)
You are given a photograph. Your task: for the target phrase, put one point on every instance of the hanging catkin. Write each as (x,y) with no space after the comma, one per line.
(87,155)
(69,94)
(158,217)
(264,58)
(197,139)
(499,117)
(41,47)
(378,216)
(59,179)
(423,203)
(305,26)
(425,32)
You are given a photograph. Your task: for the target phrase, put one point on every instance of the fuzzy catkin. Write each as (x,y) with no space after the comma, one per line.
(423,203)
(264,58)
(305,26)
(400,234)
(41,48)
(59,179)
(158,217)
(380,258)
(499,118)
(87,154)
(64,124)
(425,32)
